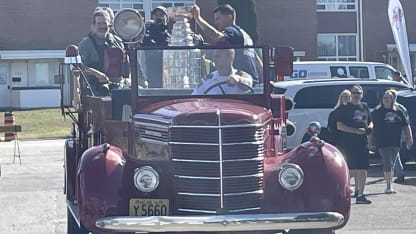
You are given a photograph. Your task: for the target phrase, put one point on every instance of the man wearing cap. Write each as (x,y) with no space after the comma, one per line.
(157,28)
(156,35)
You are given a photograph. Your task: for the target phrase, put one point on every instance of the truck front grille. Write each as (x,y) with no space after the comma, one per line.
(218,169)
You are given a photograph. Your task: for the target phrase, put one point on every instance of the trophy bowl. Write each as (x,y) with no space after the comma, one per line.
(180,13)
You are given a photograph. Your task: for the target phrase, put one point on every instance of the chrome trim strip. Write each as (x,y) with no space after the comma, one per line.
(221,158)
(162,119)
(214,212)
(193,143)
(151,125)
(197,161)
(223,195)
(196,177)
(200,211)
(217,178)
(153,141)
(200,194)
(218,126)
(214,223)
(203,143)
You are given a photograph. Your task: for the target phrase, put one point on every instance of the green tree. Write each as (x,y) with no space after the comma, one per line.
(246,15)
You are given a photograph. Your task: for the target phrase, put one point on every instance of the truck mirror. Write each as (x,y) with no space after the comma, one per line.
(283,61)
(113,62)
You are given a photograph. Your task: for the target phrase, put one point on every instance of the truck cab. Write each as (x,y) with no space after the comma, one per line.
(164,159)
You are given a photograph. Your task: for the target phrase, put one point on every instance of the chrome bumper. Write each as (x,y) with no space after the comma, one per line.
(214,223)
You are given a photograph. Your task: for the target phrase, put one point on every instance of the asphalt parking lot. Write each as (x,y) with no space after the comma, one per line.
(32,199)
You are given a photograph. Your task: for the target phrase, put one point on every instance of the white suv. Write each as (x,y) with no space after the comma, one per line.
(313,100)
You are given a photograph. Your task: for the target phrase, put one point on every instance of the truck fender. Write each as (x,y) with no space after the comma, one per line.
(99,174)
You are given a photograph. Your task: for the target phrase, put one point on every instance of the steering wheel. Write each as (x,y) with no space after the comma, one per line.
(249,88)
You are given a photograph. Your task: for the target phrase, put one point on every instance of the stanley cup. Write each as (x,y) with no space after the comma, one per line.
(183,66)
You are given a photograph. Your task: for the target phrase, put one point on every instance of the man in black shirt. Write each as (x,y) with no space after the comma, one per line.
(226,32)
(354,125)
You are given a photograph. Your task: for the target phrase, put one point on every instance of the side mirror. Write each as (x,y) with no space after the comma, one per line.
(283,62)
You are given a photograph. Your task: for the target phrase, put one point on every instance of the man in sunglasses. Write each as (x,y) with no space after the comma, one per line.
(355,124)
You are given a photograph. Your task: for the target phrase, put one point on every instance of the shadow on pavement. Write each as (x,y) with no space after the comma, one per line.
(375,172)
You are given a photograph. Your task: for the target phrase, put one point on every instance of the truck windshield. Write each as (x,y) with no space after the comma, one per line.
(196,71)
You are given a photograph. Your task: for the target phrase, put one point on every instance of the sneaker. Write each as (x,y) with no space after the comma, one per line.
(389,191)
(362,200)
(399,180)
(355,195)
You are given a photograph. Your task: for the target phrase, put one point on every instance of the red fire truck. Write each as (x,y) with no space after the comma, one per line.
(165,158)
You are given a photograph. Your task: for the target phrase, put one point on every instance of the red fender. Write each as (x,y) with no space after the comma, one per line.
(100,174)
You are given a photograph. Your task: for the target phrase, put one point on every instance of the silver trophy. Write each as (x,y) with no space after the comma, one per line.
(181,32)
(183,67)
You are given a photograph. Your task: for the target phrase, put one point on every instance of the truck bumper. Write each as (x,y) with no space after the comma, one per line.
(215,223)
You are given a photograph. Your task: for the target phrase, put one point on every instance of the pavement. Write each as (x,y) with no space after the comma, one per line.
(32,199)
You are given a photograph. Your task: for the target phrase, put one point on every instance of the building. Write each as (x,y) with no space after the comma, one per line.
(35,34)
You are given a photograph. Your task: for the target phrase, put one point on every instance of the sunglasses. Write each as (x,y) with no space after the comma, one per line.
(357,92)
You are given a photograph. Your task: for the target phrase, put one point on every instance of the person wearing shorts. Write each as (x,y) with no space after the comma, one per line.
(354,124)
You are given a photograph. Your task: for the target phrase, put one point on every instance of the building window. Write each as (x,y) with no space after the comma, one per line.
(336,5)
(143,6)
(337,47)
(43,72)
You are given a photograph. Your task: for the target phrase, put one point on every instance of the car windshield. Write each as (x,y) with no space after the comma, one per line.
(199,71)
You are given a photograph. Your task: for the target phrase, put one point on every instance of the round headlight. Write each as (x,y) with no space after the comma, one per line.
(128,24)
(146,179)
(290,176)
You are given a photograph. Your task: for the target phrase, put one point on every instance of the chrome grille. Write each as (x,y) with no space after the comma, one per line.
(151,133)
(218,168)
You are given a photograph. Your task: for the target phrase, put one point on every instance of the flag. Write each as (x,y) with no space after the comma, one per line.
(398,27)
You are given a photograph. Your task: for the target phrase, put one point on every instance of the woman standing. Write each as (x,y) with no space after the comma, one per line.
(390,121)
(343,99)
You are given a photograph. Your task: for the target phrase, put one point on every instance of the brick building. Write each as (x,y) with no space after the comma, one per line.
(35,34)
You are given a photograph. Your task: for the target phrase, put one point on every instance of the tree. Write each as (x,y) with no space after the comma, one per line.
(246,15)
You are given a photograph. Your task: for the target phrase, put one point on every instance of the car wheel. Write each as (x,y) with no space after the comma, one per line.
(312,231)
(72,226)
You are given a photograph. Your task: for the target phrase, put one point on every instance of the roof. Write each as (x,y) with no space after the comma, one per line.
(339,63)
(31,54)
(331,81)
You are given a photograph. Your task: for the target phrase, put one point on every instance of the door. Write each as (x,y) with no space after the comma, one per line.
(5,89)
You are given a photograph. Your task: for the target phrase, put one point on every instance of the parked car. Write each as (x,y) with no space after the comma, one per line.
(408,99)
(313,100)
(342,69)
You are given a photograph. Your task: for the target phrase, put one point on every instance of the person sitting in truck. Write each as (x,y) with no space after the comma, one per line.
(226,79)
(92,49)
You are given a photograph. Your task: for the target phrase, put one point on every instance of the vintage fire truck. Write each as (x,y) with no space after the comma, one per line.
(161,159)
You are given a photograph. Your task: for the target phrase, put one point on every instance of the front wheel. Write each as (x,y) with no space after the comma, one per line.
(312,231)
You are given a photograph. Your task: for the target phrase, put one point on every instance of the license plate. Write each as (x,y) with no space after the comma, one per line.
(149,207)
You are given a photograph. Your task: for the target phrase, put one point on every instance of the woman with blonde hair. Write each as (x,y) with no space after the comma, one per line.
(390,120)
(343,99)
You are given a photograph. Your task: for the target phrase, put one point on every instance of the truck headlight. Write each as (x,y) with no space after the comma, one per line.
(290,176)
(146,179)
(129,25)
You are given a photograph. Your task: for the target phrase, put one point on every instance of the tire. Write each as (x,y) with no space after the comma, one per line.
(72,226)
(312,231)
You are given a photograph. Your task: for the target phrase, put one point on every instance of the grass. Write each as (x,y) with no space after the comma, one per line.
(40,124)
